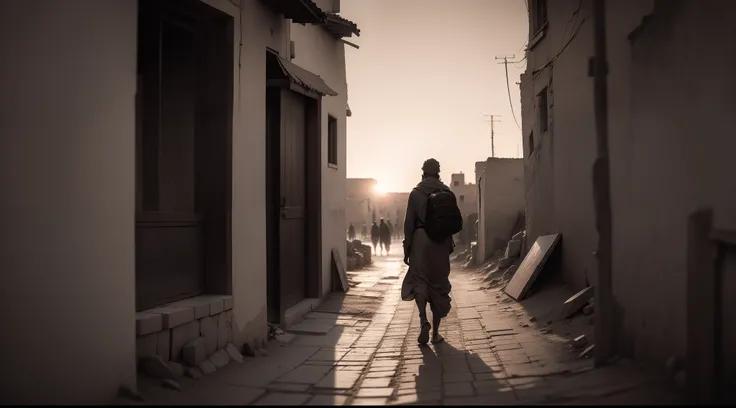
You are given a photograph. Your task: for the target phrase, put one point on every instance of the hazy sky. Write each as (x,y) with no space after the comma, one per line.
(423,79)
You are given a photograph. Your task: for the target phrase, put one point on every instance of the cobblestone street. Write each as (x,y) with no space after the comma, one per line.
(361,349)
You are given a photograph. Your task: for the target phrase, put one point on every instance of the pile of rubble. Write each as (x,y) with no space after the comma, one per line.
(502,266)
(464,256)
(193,363)
(359,255)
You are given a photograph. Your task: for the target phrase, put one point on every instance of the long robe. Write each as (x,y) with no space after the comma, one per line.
(429,261)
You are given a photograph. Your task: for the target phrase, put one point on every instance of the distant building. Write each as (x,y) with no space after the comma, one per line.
(500,203)
(467,201)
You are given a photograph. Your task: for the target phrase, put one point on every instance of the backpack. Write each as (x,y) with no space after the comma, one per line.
(442,218)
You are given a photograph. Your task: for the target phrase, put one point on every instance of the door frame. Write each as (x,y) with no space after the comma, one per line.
(313,211)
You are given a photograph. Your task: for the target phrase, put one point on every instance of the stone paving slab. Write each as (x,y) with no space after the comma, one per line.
(361,349)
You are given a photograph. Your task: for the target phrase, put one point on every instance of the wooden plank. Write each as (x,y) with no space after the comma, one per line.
(340,269)
(531,266)
(701,307)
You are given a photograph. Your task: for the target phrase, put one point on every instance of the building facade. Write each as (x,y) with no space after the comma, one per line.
(467,201)
(500,203)
(140,244)
(659,98)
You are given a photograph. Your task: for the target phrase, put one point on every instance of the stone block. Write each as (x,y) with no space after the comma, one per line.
(588,310)
(173,316)
(194,352)
(156,367)
(208,330)
(182,335)
(513,249)
(200,305)
(163,344)
(580,342)
(233,352)
(505,262)
(576,302)
(145,346)
(224,329)
(216,305)
(207,367)
(227,303)
(220,359)
(194,373)
(588,352)
(147,323)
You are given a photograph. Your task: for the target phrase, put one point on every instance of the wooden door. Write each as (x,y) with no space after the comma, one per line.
(169,263)
(292,228)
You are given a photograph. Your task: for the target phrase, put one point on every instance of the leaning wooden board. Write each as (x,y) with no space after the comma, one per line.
(340,269)
(530,267)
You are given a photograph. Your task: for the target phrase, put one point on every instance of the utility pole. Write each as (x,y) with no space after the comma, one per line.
(492,120)
(508,86)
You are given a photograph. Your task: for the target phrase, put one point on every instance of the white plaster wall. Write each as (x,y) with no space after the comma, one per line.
(320,53)
(260,29)
(502,200)
(559,190)
(68,80)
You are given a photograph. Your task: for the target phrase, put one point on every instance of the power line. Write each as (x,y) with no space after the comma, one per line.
(508,85)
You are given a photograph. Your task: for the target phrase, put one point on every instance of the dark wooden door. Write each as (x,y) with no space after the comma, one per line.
(292,229)
(169,263)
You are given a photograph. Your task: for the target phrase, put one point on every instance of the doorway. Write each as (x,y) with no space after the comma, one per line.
(293,180)
(183,154)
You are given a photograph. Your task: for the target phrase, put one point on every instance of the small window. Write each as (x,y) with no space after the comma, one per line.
(462,198)
(455,183)
(542,110)
(539,15)
(332,141)
(531,143)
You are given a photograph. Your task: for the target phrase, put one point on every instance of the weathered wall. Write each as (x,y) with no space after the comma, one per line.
(260,29)
(671,153)
(501,203)
(320,53)
(68,81)
(559,195)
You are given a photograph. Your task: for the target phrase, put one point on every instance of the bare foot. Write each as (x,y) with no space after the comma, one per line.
(424,333)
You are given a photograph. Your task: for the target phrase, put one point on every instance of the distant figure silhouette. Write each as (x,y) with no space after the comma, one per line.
(390,229)
(385,235)
(374,237)
(364,233)
(351,232)
(431,220)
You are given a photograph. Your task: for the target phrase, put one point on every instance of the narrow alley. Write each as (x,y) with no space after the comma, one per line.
(360,348)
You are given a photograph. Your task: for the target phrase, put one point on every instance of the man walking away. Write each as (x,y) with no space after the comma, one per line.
(364,233)
(351,232)
(390,229)
(374,237)
(432,217)
(385,235)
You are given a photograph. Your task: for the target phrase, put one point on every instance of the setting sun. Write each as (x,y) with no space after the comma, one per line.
(379,189)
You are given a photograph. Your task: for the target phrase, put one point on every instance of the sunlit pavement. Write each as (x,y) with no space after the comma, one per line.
(360,349)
